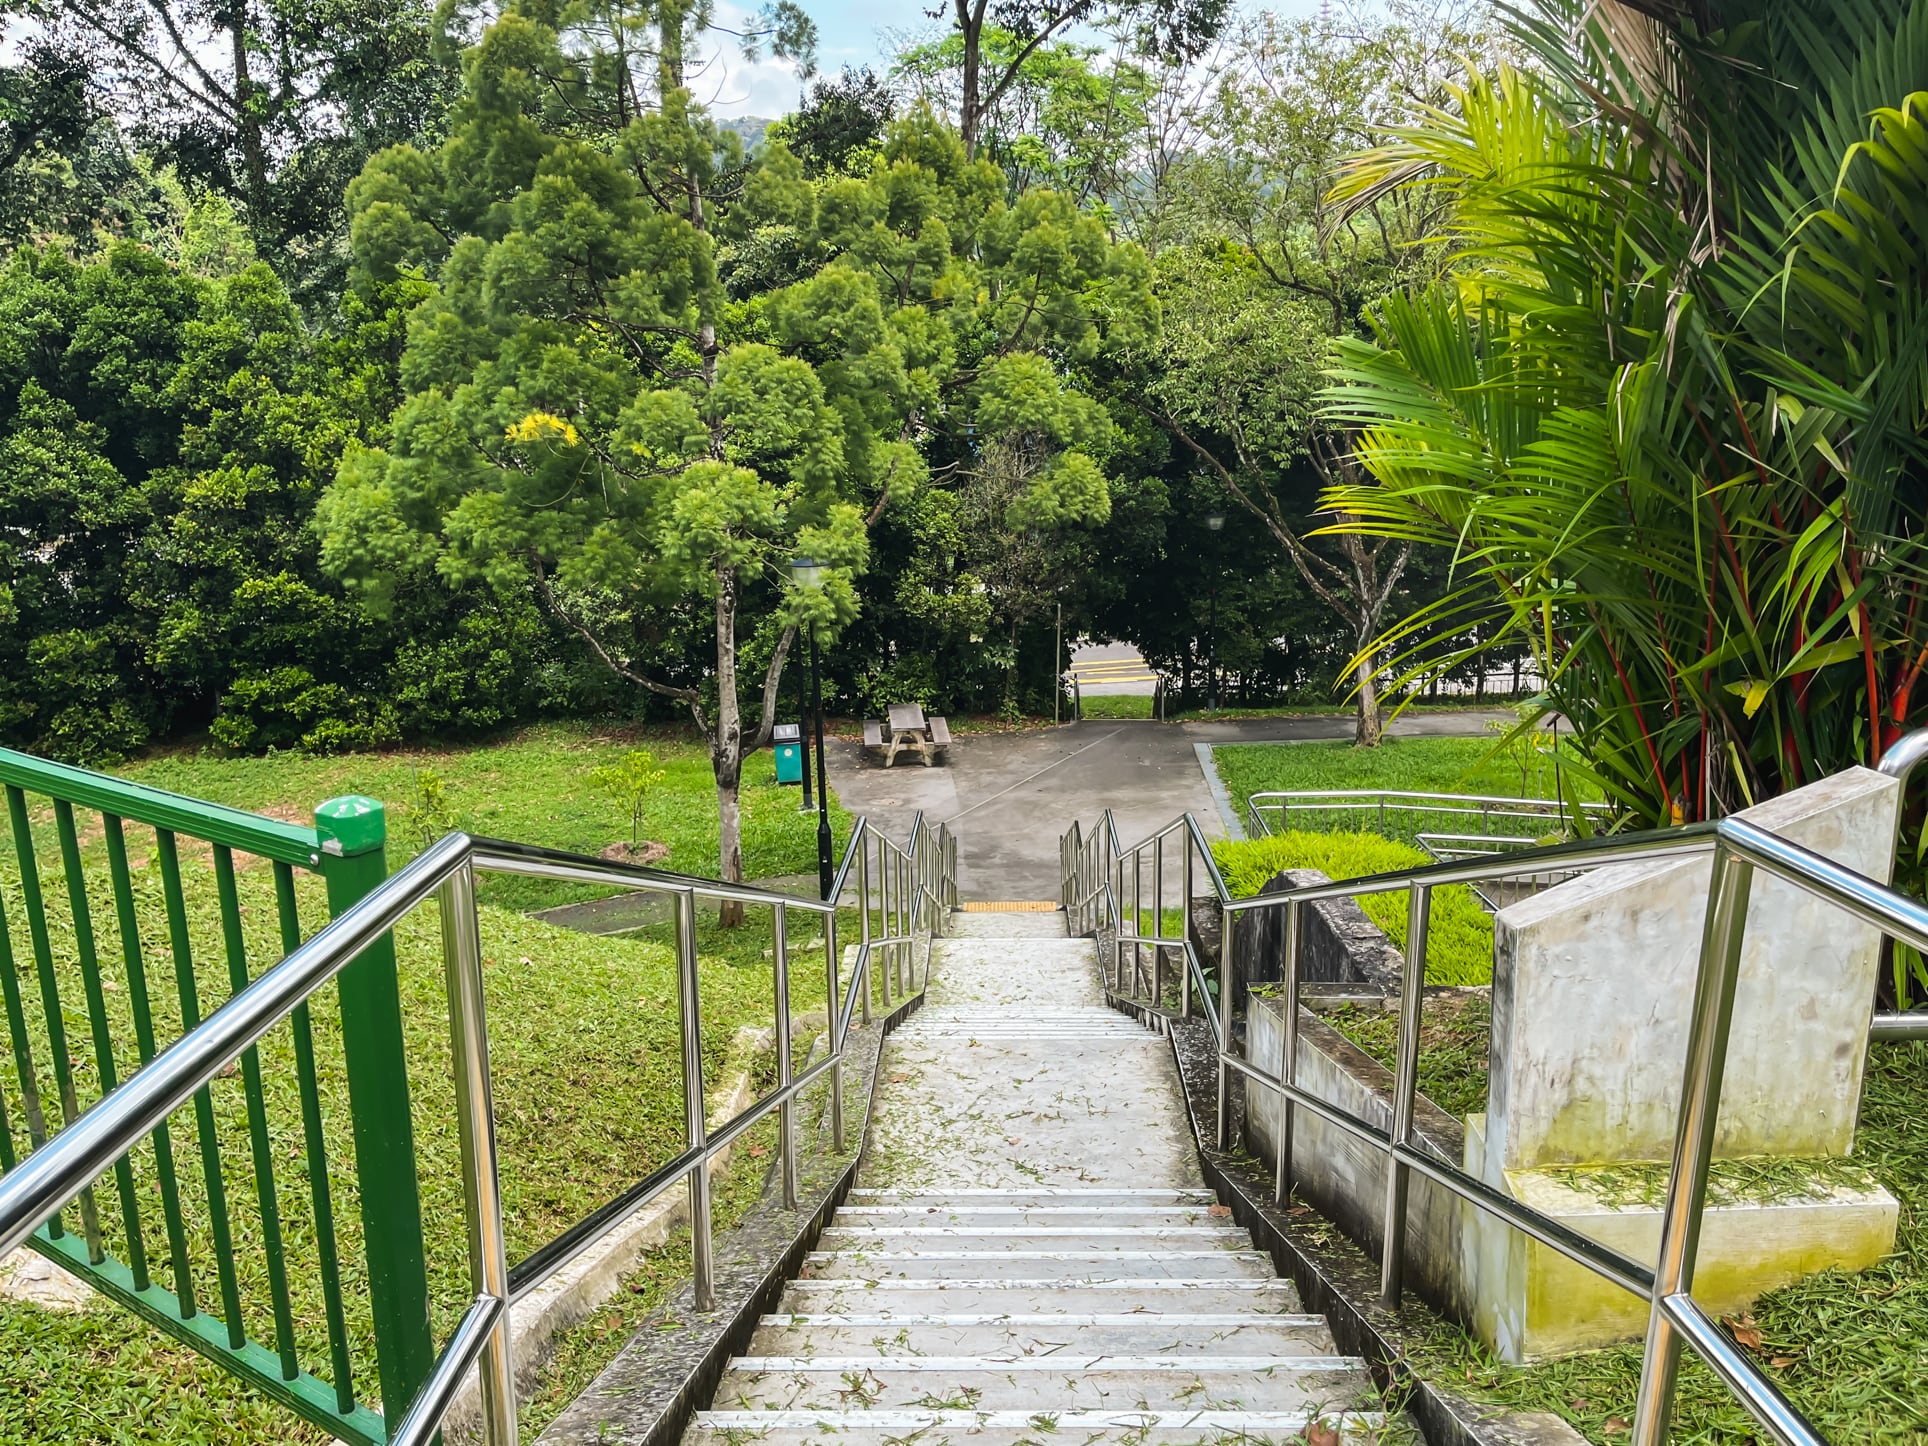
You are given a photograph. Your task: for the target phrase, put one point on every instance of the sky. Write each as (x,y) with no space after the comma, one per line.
(850,32)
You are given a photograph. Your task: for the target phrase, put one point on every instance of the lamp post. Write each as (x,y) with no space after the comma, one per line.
(808,572)
(1214,524)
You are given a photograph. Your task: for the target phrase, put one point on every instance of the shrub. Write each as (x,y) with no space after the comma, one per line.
(1459,945)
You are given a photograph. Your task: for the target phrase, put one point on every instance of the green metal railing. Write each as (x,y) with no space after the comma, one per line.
(171,1220)
(155,1115)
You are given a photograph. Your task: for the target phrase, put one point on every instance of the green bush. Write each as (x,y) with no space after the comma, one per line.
(1459,945)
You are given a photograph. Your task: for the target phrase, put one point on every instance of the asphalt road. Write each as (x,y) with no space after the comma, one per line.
(1008,796)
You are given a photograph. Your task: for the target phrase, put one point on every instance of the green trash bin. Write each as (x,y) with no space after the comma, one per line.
(787,744)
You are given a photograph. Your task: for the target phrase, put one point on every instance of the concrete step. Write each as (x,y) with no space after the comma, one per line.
(1005,1239)
(1141,1333)
(1067,1265)
(1022,1296)
(993,924)
(1061,1382)
(1134,1216)
(1018,1428)
(1069,1195)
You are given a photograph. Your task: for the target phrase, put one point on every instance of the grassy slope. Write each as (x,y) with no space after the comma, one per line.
(1459,943)
(531,786)
(585,1063)
(1425,765)
(1847,1349)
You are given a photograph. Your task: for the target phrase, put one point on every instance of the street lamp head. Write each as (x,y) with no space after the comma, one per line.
(806,572)
(1214,521)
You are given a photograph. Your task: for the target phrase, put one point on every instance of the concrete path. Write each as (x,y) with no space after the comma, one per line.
(1008,796)
(1029,1256)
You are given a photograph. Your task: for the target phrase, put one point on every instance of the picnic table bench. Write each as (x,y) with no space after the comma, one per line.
(907,728)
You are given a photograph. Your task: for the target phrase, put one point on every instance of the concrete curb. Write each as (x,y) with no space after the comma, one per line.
(1227,810)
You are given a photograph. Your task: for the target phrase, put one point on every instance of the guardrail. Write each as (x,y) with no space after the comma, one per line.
(1510,822)
(903,896)
(1102,891)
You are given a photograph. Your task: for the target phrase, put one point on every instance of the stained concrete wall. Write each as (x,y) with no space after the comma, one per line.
(1593,988)
(1344,1177)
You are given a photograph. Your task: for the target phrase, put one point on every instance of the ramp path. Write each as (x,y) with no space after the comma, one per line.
(1030,1254)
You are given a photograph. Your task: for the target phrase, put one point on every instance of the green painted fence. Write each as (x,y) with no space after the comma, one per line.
(173,889)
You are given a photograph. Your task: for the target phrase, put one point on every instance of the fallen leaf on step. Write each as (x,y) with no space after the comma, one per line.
(1321,1433)
(1220,1212)
(757,1152)
(1617,1425)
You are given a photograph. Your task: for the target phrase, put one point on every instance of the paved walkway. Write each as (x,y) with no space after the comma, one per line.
(1008,796)
(1029,1256)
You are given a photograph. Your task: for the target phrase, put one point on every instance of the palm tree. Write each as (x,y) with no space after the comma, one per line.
(1670,409)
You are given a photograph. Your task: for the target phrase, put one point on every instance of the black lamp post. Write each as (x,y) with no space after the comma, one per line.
(808,572)
(1214,524)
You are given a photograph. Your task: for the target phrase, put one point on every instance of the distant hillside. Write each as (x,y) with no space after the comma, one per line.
(749,127)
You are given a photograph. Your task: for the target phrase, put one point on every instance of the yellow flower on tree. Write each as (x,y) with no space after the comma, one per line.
(544,426)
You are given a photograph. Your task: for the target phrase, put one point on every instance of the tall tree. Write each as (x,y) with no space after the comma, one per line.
(1274,270)
(597,416)
(997,41)
(272,103)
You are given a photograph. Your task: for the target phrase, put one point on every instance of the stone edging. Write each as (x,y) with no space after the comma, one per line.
(1334,1277)
(673,1361)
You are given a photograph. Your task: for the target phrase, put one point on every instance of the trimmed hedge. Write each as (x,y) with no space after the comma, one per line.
(1459,946)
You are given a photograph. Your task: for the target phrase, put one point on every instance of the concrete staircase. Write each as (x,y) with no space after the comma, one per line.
(1030,1255)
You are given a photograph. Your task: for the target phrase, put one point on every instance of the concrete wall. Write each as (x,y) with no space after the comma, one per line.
(1344,1177)
(1593,987)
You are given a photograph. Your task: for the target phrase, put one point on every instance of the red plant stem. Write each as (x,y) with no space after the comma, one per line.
(1626,686)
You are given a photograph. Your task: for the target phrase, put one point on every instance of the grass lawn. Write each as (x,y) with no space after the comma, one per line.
(532,786)
(1115,705)
(1459,941)
(1846,1348)
(585,1059)
(1523,769)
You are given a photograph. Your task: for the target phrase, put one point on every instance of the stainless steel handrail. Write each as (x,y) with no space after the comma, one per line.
(914,890)
(1096,867)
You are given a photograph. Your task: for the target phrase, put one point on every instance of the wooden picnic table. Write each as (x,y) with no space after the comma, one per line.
(908,730)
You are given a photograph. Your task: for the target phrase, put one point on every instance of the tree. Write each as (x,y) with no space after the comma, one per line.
(840,125)
(1669,412)
(629,781)
(271,103)
(596,417)
(997,42)
(1275,270)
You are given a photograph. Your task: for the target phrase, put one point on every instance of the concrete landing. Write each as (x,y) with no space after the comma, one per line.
(1029,1254)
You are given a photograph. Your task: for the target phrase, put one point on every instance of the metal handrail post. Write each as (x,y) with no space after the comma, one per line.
(1227,1013)
(1185,927)
(1720,963)
(701,1257)
(475,1119)
(1405,1085)
(1288,1053)
(787,1110)
(1158,928)
(863,900)
(834,1024)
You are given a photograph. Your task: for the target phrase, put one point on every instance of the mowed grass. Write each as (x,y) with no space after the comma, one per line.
(586,1064)
(531,786)
(1459,936)
(1847,1349)
(1522,768)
